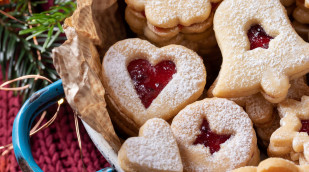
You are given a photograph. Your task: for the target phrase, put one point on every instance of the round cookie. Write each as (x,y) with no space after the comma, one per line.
(214,135)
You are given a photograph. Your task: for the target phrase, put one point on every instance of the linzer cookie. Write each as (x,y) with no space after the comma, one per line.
(274,165)
(171,13)
(259,110)
(199,37)
(261,51)
(154,150)
(144,82)
(215,135)
(292,139)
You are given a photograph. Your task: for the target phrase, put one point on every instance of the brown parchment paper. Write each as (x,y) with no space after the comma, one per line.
(91,30)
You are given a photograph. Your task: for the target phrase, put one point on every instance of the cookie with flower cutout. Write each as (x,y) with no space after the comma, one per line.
(292,136)
(154,150)
(215,134)
(274,165)
(261,50)
(143,81)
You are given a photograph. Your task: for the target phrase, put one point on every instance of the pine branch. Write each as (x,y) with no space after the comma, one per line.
(18,52)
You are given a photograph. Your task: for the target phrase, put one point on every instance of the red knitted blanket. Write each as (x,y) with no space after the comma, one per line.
(55,149)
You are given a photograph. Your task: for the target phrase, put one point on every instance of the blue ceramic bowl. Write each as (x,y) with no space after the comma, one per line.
(36,104)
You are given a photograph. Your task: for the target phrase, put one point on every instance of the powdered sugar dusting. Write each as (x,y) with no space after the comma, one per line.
(170,13)
(185,87)
(224,117)
(156,148)
(242,70)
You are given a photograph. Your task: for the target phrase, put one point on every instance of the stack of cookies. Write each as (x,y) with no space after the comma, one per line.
(164,22)
(157,94)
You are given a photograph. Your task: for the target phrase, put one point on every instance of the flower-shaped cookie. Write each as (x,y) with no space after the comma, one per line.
(292,136)
(274,165)
(251,66)
(170,13)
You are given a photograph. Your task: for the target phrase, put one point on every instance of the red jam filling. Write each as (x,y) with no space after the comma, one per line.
(304,126)
(209,138)
(150,80)
(258,37)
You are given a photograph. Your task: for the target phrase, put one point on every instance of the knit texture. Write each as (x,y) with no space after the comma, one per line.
(55,148)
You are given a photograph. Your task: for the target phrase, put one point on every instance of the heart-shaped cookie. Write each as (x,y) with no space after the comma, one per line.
(154,150)
(144,82)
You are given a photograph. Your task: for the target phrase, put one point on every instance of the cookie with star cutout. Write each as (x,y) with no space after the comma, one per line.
(215,135)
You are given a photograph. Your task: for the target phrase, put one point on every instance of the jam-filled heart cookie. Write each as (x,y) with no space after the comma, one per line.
(292,137)
(274,165)
(155,150)
(143,81)
(215,135)
(261,50)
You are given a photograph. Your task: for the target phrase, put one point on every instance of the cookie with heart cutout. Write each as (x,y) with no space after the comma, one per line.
(291,138)
(274,165)
(144,82)
(155,150)
(215,134)
(260,54)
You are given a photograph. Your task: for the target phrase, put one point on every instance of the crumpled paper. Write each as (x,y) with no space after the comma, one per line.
(91,30)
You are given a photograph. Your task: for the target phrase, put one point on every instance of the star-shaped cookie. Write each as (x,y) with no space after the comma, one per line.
(292,136)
